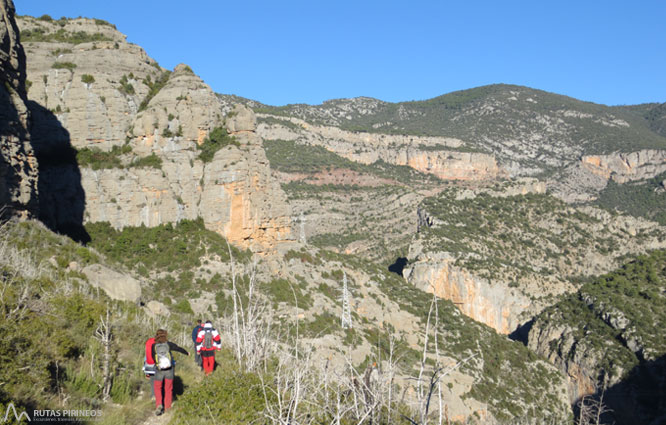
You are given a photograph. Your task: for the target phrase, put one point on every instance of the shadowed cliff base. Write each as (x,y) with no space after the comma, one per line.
(522,331)
(639,399)
(398,266)
(61,196)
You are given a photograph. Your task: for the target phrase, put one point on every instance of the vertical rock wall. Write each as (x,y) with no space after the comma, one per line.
(18,165)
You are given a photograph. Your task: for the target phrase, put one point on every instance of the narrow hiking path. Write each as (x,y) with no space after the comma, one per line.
(188,375)
(158,420)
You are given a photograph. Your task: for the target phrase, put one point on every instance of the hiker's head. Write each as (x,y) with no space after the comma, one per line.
(208,325)
(200,322)
(161,336)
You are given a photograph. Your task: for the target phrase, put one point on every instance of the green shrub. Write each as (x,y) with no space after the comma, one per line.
(59,51)
(125,86)
(150,161)
(98,159)
(153,88)
(282,290)
(640,199)
(183,306)
(291,157)
(64,65)
(87,79)
(61,36)
(165,247)
(216,140)
(104,23)
(304,257)
(228,396)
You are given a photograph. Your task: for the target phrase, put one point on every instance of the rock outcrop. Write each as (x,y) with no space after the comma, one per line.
(18,165)
(626,167)
(240,198)
(443,157)
(118,286)
(582,180)
(503,254)
(493,304)
(108,94)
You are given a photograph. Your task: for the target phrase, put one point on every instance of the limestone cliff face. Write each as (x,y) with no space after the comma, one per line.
(576,361)
(626,167)
(444,157)
(106,94)
(493,304)
(592,343)
(582,180)
(185,107)
(240,198)
(95,112)
(18,165)
(234,193)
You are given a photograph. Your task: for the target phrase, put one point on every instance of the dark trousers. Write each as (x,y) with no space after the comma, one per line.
(197,356)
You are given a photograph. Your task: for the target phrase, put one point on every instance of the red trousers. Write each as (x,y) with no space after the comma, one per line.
(208,364)
(168,393)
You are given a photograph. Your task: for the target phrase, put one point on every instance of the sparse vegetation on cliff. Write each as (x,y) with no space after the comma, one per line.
(217,139)
(125,85)
(150,161)
(291,157)
(516,238)
(167,247)
(64,65)
(612,332)
(494,112)
(98,159)
(61,36)
(641,199)
(154,87)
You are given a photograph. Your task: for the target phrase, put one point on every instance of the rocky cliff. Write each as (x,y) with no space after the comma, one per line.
(18,165)
(446,158)
(502,259)
(626,167)
(609,337)
(141,129)
(518,131)
(495,305)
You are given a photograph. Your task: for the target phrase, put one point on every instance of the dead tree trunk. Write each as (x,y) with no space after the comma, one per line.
(104,335)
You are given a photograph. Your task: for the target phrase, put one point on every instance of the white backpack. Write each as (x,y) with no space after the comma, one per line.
(162,356)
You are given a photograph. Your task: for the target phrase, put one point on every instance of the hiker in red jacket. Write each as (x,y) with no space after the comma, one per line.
(149,364)
(208,341)
(164,375)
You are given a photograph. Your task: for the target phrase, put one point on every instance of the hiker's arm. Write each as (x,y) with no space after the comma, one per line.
(178,348)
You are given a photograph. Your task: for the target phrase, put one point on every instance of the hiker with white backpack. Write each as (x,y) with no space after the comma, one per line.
(208,341)
(164,373)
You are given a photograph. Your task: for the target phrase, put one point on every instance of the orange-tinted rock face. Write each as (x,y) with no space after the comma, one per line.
(235,194)
(492,304)
(624,167)
(242,201)
(455,165)
(247,227)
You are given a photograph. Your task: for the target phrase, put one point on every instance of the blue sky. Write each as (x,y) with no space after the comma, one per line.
(279,52)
